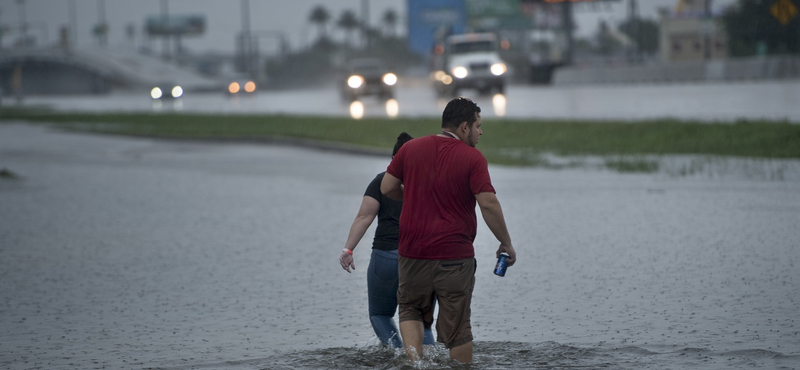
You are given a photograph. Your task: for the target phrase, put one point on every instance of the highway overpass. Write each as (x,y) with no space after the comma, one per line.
(55,71)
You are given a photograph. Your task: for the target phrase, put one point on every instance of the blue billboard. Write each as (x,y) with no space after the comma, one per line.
(429,20)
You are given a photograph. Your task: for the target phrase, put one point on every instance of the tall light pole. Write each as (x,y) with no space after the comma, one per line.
(23,19)
(246,40)
(73,20)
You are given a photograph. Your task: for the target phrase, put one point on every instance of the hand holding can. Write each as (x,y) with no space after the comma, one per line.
(502,265)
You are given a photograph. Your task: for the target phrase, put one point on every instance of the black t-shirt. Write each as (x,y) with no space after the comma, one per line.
(388,217)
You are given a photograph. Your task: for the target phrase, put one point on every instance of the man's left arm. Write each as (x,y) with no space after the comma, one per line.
(493,216)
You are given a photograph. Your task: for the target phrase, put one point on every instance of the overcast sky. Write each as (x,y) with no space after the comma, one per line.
(224,18)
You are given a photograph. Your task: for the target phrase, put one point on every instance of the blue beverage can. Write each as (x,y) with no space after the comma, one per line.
(502,265)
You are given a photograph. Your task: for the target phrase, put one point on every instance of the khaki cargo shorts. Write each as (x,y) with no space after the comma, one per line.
(450,282)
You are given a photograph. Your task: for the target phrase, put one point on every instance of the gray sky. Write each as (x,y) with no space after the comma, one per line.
(224,18)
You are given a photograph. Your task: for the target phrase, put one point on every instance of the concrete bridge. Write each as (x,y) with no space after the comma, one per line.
(53,71)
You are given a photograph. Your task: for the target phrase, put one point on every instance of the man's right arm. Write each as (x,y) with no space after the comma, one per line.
(493,216)
(392,187)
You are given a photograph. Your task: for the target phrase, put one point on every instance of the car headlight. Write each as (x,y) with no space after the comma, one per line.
(355,81)
(250,86)
(498,69)
(390,79)
(156,93)
(177,92)
(234,87)
(460,72)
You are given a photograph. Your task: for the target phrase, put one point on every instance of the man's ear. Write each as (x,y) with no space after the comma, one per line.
(464,127)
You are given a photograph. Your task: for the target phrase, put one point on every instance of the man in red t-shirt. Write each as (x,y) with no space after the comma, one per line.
(440,178)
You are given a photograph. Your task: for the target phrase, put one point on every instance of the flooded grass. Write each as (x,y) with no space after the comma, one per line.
(622,165)
(509,142)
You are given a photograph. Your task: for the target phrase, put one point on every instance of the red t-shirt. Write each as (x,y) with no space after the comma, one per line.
(441,177)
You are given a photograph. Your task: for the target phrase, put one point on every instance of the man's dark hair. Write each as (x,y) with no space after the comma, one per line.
(402,139)
(459,110)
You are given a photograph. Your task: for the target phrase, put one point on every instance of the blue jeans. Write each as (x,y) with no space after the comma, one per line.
(382,292)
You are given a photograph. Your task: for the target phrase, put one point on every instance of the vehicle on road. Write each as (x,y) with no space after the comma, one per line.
(469,61)
(367,76)
(166,90)
(242,87)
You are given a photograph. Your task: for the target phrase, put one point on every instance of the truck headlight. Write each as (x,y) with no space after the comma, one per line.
(177,92)
(156,93)
(390,79)
(498,69)
(355,81)
(460,72)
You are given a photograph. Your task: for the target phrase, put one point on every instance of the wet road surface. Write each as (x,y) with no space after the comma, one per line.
(725,102)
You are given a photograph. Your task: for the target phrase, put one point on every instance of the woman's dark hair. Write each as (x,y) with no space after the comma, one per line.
(459,110)
(402,139)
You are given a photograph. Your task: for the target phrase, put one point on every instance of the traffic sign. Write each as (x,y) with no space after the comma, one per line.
(784,11)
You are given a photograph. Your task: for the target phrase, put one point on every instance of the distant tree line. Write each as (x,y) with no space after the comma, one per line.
(317,64)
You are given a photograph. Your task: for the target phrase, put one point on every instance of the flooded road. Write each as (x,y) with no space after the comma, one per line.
(707,102)
(136,253)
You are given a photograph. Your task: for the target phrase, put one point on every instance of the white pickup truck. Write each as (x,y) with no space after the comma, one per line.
(469,61)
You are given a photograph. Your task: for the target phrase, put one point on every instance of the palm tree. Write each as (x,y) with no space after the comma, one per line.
(390,21)
(320,16)
(348,22)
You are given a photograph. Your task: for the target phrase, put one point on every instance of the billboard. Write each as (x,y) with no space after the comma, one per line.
(429,20)
(491,15)
(175,25)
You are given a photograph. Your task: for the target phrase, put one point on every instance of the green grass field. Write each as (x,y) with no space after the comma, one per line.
(505,141)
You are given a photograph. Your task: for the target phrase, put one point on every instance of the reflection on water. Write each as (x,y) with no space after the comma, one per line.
(357,110)
(499,105)
(176,105)
(392,108)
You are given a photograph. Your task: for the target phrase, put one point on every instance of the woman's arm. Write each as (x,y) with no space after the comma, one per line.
(366,213)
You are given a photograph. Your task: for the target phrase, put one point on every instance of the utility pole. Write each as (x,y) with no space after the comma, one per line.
(101,15)
(707,28)
(165,25)
(24,21)
(73,21)
(566,20)
(365,22)
(246,39)
(633,21)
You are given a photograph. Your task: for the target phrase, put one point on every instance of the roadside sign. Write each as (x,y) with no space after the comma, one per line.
(784,11)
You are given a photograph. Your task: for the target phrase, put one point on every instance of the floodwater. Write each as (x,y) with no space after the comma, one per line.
(125,253)
(725,102)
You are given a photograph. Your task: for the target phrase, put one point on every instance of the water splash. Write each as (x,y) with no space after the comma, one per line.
(517,355)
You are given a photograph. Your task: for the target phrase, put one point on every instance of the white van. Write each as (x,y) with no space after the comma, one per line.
(470,61)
